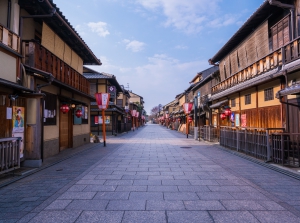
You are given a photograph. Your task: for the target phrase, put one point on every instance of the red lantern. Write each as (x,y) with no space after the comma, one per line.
(78,113)
(187,107)
(190,119)
(222,116)
(64,108)
(227,112)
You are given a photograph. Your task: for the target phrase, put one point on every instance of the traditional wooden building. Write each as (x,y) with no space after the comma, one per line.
(137,103)
(123,100)
(44,64)
(259,62)
(105,83)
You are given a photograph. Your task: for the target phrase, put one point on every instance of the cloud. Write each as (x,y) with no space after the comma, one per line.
(134,45)
(189,16)
(99,27)
(181,47)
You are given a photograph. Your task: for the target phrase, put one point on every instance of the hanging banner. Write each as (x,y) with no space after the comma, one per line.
(237,119)
(133,113)
(243,120)
(96,120)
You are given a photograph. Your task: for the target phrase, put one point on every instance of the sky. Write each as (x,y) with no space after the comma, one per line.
(156,47)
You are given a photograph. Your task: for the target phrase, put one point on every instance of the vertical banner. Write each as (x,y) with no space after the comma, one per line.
(243,120)
(18,119)
(96,120)
(18,126)
(237,119)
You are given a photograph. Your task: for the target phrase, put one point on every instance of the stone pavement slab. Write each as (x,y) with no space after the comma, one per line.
(148,176)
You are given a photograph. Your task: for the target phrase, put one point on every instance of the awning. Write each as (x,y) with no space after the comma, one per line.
(219,104)
(14,85)
(294,89)
(71,100)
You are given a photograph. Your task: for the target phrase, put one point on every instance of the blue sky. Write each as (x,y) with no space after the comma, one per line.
(156,46)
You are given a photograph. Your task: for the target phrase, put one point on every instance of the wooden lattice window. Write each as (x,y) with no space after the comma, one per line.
(280,33)
(233,102)
(247,99)
(269,94)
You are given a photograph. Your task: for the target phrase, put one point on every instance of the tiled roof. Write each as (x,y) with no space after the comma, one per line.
(97,76)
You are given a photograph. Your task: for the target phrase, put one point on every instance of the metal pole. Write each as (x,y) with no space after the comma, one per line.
(187,127)
(103,128)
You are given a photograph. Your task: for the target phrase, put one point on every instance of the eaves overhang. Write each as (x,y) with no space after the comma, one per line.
(14,86)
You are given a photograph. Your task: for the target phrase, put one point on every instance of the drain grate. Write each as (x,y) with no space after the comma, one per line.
(185,147)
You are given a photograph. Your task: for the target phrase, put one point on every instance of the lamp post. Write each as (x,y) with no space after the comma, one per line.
(102,100)
(187,107)
(133,114)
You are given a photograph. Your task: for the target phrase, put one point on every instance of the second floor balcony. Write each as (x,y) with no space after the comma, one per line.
(9,39)
(280,57)
(37,56)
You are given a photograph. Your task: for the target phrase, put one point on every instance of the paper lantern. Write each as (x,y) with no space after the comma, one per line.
(64,108)
(222,116)
(227,112)
(78,113)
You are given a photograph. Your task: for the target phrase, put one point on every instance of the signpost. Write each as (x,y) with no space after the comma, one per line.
(102,100)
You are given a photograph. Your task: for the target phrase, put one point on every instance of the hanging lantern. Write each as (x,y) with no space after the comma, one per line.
(78,113)
(102,100)
(187,107)
(227,112)
(222,116)
(190,119)
(64,108)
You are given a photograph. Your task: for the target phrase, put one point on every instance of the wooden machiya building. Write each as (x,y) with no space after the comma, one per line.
(201,90)
(114,114)
(256,103)
(44,96)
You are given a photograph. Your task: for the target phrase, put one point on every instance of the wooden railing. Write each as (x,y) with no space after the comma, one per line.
(286,148)
(10,39)
(9,154)
(209,133)
(281,56)
(254,142)
(40,58)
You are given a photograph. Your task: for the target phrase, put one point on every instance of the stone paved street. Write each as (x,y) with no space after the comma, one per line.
(153,175)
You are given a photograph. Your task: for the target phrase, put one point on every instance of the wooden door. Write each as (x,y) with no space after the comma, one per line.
(65,131)
(294,116)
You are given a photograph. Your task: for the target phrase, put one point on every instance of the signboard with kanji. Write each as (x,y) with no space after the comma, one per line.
(112,91)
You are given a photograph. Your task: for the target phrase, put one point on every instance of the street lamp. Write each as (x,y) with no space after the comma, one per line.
(102,100)
(187,108)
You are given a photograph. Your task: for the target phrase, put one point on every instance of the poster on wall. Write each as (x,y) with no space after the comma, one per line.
(18,119)
(21,135)
(96,120)
(215,121)
(100,120)
(243,120)
(237,119)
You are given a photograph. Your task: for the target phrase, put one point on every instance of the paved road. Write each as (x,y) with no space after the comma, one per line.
(152,176)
